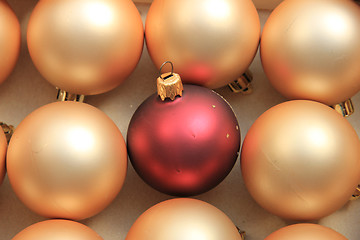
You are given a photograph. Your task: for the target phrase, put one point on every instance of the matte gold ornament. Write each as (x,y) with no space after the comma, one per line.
(310,49)
(67,160)
(183,218)
(85,46)
(9,40)
(57,230)
(305,231)
(301,160)
(211,42)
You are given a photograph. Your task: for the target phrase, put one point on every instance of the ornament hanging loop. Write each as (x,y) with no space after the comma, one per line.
(169,84)
(162,66)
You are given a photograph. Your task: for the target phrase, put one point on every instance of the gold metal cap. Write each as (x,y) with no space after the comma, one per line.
(345,108)
(242,84)
(8,130)
(63,96)
(356,194)
(242,233)
(169,84)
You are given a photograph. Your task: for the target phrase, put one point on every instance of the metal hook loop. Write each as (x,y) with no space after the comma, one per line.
(162,65)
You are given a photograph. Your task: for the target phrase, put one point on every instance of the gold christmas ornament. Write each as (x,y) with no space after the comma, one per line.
(310,49)
(85,46)
(67,160)
(57,230)
(9,40)
(183,218)
(211,42)
(305,231)
(301,160)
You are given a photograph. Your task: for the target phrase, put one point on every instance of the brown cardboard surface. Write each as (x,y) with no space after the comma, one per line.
(25,90)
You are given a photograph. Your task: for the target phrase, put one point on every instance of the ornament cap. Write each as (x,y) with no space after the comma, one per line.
(8,130)
(356,194)
(63,96)
(345,108)
(243,83)
(169,84)
(242,233)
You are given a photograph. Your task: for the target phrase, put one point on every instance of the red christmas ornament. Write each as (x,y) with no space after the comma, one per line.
(184,146)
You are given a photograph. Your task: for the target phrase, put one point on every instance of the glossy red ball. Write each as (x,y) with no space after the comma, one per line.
(187,146)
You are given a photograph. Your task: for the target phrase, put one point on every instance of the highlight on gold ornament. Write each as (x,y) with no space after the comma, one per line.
(85,47)
(310,50)
(61,229)
(306,153)
(305,231)
(213,47)
(10,40)
(67,160)
(184,217)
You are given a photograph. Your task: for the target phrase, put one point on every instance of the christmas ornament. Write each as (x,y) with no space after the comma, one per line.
(67,160)
(184,145)
(211,42)
(301,160)
(3,148)
(305,231)
(85,46)
(57,230)
(310,49)
(9,40)
(183,218)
